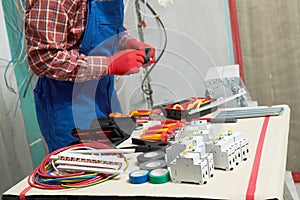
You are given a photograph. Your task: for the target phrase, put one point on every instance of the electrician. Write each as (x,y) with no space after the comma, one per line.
(74,87)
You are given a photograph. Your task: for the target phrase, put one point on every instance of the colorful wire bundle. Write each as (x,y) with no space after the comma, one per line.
(45,176)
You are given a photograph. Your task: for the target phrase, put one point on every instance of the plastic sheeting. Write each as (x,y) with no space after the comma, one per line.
(14,150)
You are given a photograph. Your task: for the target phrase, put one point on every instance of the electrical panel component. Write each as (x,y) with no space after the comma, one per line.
(229,150)
(105,161)
(210,164)
(195,155)
(187,157)
(190,167)
(224,154)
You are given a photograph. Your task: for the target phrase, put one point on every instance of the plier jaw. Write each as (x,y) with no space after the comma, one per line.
(147,146)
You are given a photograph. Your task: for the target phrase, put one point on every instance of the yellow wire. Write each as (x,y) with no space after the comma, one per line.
(65,183)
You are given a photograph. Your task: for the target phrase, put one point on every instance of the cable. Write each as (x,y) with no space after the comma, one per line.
(46,176)
(16,101)
(11,89)
(5,60)
(148,15)
(161,53)
(22,5)
(18,57)
(27,85)
(13,24)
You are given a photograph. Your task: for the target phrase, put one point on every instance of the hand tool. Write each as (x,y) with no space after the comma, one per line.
(147,58)
(146,146)
(219,101)
(162,136)
(219,119)
(140,113)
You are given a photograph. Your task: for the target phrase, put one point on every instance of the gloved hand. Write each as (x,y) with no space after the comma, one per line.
(150,57)
(126,62)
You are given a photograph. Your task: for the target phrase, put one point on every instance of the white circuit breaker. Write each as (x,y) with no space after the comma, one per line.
(192,164)
(210,164)
(242,145)
(223,151)
(229,150)
(194,155)
(190,167)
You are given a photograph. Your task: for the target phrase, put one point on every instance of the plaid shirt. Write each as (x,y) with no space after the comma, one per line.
(54,31)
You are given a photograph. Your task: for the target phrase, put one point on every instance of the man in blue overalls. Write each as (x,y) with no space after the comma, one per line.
(76,84)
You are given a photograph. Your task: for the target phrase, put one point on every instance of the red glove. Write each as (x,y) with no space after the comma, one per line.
(134,44)
(126,62)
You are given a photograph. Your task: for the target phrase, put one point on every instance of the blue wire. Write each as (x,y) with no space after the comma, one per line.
(87,176)
(16,107)
(3,59)
(65,179)
(16,52)
(14,22)
(8,65)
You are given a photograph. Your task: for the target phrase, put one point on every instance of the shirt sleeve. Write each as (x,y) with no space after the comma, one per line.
(51,46)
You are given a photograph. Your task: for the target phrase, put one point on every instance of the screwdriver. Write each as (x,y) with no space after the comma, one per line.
(157,137)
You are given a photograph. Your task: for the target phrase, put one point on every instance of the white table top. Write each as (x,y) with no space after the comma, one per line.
(224,185)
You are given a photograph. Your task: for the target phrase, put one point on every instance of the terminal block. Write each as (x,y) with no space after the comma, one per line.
(86,160)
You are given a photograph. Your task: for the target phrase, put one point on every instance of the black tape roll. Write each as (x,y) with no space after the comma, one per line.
(153,164)
(154,155)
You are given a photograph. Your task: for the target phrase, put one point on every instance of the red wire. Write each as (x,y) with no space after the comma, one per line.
(90,181)
(41,171)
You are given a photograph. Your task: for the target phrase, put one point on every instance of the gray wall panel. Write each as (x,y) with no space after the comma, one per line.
(270,38)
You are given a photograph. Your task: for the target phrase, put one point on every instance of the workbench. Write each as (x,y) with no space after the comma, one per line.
(260,177)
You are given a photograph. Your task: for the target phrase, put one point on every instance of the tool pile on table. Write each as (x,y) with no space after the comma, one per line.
(180,147)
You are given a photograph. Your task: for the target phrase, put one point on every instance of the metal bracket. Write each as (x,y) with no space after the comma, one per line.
(227,76)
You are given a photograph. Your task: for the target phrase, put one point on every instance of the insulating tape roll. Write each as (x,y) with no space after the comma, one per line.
(159,176)
(153,164)
(139,176)
(154,155)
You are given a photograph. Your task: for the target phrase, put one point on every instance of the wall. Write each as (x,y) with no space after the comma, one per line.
(198,38)
(14,151)
(270,38)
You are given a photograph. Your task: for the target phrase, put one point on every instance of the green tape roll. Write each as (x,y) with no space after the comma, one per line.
(159,176)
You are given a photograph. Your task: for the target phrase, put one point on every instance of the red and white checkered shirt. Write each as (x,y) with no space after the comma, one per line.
(54,31)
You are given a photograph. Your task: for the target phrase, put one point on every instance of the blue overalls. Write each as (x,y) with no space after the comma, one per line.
(63,105)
